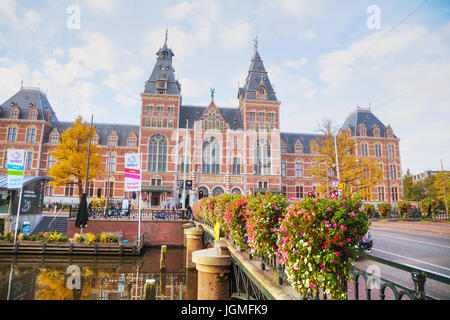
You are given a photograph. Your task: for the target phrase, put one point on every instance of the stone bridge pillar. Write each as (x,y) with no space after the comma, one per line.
(213,266)
(194,242)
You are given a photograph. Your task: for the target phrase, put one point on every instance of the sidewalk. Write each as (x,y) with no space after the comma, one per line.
(440,228)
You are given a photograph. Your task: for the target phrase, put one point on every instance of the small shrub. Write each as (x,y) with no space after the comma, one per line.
(369,209)
(404,208)
(384,209)
(428,207)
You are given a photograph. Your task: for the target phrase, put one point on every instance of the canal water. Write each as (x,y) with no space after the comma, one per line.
(51,277)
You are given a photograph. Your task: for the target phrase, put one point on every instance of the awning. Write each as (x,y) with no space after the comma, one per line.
(26,180)
(264,190)
(157,188)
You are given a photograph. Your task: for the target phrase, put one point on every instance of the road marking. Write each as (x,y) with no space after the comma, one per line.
(433,244)
(394,254)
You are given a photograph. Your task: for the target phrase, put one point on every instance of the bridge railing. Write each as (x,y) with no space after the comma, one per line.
(146,215)
(418,275)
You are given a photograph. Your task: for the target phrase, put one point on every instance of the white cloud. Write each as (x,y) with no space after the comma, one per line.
(126,83)
(300,8)
(307,35)
(237,34)
(295,64)
(9,16)
(337,66)
(195,89)
(101,5)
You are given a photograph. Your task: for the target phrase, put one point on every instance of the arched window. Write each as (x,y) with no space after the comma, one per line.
(217,190)
(157,153)
(15,112)
(262,157)
(391,152)
(211,156)
(283,148)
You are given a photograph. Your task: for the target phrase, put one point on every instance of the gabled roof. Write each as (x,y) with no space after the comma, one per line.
(24,99)
(363,116)
(232,116)
(103,130)
(291,138)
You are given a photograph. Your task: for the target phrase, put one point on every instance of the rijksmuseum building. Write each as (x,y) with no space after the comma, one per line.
(228,150)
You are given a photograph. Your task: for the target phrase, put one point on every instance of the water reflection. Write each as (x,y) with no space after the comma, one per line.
(27,277)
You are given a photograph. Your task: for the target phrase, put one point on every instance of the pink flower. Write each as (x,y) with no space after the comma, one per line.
(334,225)
(349,240)
(328,209)
(336,253)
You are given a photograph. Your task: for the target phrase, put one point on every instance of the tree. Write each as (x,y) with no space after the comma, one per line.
(412,191)
(360,175)
(71,154)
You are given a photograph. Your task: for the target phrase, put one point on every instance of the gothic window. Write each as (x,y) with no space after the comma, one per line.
(362,130)
(262,157)
(131,141)
(236,168)
(51,160)
(283,169)
(376,131)
(299,192)
(364,149)
(28,159)
(113,140)
(14,113)
(391,152)
(149,110)
(12,134)
(380,193)
(298,147)
(33,114)
(298,170)
(94,139)
(31,134)
(252,116)
(271,117)
(283,148)
(211,156)
(54,138)
(157,153)
(313,148)
(389,133)
(261,116)
(377,150)
(111,162)
(170,110)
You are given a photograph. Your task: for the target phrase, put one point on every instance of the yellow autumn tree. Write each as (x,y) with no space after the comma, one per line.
(71,155)
(360,175)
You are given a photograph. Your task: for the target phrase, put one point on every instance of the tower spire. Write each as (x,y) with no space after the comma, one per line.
(256,45)
(167,31)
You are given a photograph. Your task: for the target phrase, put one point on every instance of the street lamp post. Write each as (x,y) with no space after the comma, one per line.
(108,166)
(184,167)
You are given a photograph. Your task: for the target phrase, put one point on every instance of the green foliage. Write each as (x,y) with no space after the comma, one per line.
(264,214)
(404,208)
(428,207)
(369,209)
(384,209)
(316,240)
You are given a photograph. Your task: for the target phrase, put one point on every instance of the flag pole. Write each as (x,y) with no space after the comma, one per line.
(20,199)
(140,200)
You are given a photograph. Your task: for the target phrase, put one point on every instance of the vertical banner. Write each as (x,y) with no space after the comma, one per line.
(132,172)
(15,164)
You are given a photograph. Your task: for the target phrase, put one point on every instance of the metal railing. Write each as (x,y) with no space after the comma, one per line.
(243,288)
(146,215)
(418,275)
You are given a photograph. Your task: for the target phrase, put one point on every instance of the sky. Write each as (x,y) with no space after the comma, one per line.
(324,59)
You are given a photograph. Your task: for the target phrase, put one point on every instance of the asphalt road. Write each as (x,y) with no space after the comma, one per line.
(420,249)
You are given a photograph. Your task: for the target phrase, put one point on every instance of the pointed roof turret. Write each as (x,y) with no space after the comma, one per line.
(162,80)
(257,78)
